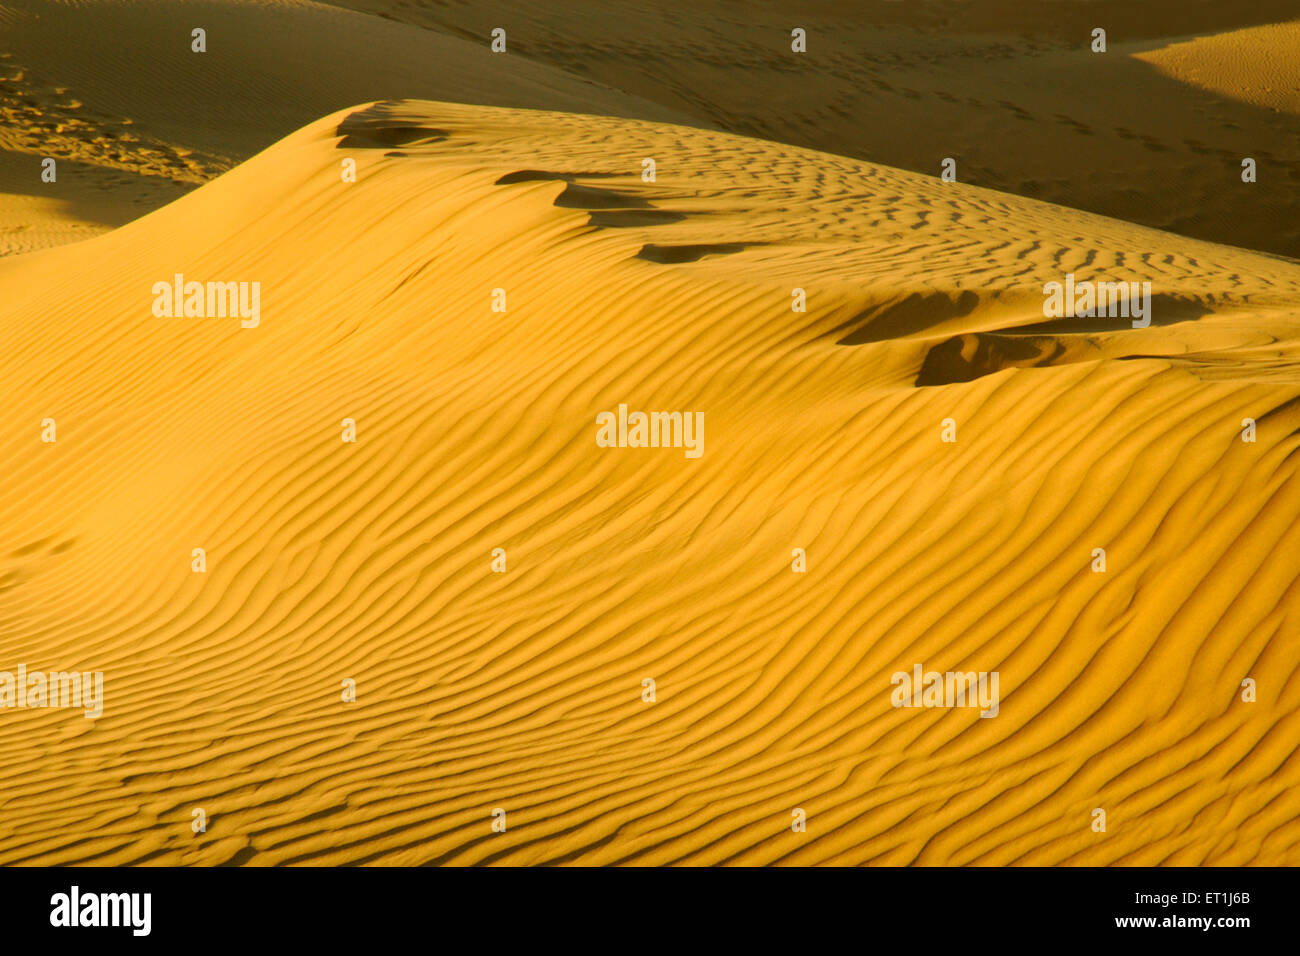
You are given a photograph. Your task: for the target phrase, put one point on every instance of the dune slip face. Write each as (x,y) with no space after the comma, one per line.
(366,587)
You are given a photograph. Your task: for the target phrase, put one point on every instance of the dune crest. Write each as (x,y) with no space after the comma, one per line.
(372,561)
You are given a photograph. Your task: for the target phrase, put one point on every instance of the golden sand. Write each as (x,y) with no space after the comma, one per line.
(517,180)
(522,691)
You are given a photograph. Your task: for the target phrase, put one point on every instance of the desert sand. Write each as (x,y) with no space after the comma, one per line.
(114,92)
(1153,131)
(476,690)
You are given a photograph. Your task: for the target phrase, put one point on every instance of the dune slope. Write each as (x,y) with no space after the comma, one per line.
(476,430)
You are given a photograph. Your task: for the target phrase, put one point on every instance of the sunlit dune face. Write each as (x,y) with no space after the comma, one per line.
(606,450)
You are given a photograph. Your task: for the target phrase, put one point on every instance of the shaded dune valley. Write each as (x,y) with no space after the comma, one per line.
(500,588)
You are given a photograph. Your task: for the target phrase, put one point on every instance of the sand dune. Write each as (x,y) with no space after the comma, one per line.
(1255,64)
(114,92)
(476,430)
(1153,131)
(1009,89)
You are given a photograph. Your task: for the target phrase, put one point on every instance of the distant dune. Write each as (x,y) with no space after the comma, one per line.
(1153,131)
(476,430)
(1009,88)
(1259,65)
